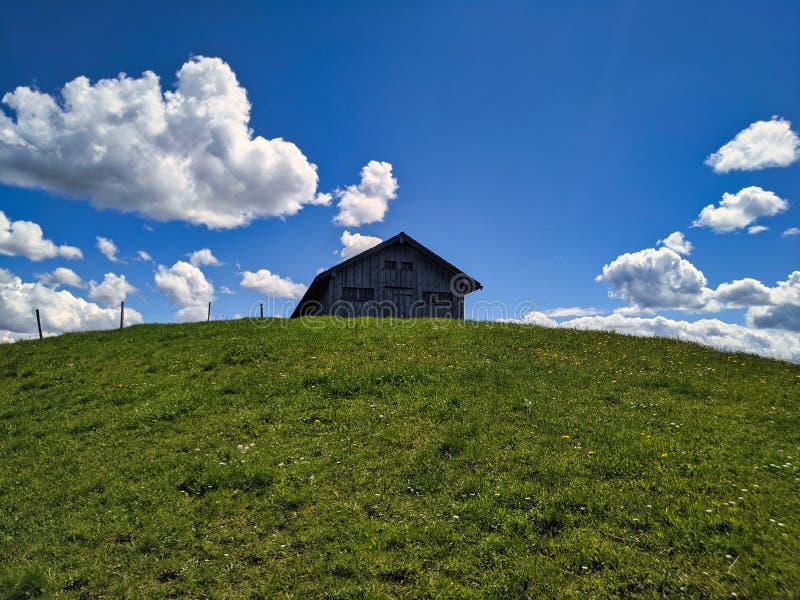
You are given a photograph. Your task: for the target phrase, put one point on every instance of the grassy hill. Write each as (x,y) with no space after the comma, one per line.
(423,459)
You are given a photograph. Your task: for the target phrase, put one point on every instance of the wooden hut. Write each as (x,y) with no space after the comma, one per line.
(397,278)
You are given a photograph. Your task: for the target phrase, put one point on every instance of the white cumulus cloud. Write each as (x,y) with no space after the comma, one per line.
(126,144)
(60,276)
(756,229)
(143,256)
(108,248)
(60,310)
(736,211)
(743,292)
(270,284)
(368,201)
(25,238)
(657,279)
(538,318)
(186,287)
(676,242)
(111,291)
(708,332)
(355,243)
(763,144)
(783,310)
(791,231)
(203,257)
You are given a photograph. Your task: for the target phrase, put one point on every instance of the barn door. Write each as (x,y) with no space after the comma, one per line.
(401,300)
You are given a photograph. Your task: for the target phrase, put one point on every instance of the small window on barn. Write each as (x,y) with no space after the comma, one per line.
(354,293)
(407,266)
(390,264)
(438,298)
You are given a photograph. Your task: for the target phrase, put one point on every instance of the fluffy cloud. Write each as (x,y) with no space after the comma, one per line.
(537,318)
(783,311)
(113,290)
(187,154)
(272,285)
(655,279)
(368,201)
(203,257)
(60,276)
(659,279)
(108,248)
(739,210)
(791,231)
(756,229)
(355,243)
(763,144)
(677,243)
(743,292)
(709,332)
(25,238)
(186,287)
(60,310)
(780,316)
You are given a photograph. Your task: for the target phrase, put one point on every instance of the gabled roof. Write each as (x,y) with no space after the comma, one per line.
(402,237)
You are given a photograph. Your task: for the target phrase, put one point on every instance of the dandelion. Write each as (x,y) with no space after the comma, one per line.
(564,437)
(213,383)
(317,421)
(664,454)
(591,453)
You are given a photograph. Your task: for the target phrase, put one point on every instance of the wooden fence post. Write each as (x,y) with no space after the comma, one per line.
(209,313)
(122,314)
(39,324)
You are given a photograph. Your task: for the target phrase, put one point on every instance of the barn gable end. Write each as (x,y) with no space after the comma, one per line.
(399,277)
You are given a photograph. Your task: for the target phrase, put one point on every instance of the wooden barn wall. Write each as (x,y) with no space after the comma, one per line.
(428,275)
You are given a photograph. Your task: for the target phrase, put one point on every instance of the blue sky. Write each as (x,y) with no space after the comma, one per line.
(532,143)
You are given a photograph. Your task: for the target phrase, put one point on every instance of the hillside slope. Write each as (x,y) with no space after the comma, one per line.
(425,459)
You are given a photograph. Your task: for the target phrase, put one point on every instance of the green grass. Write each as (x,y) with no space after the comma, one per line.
(375,460)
